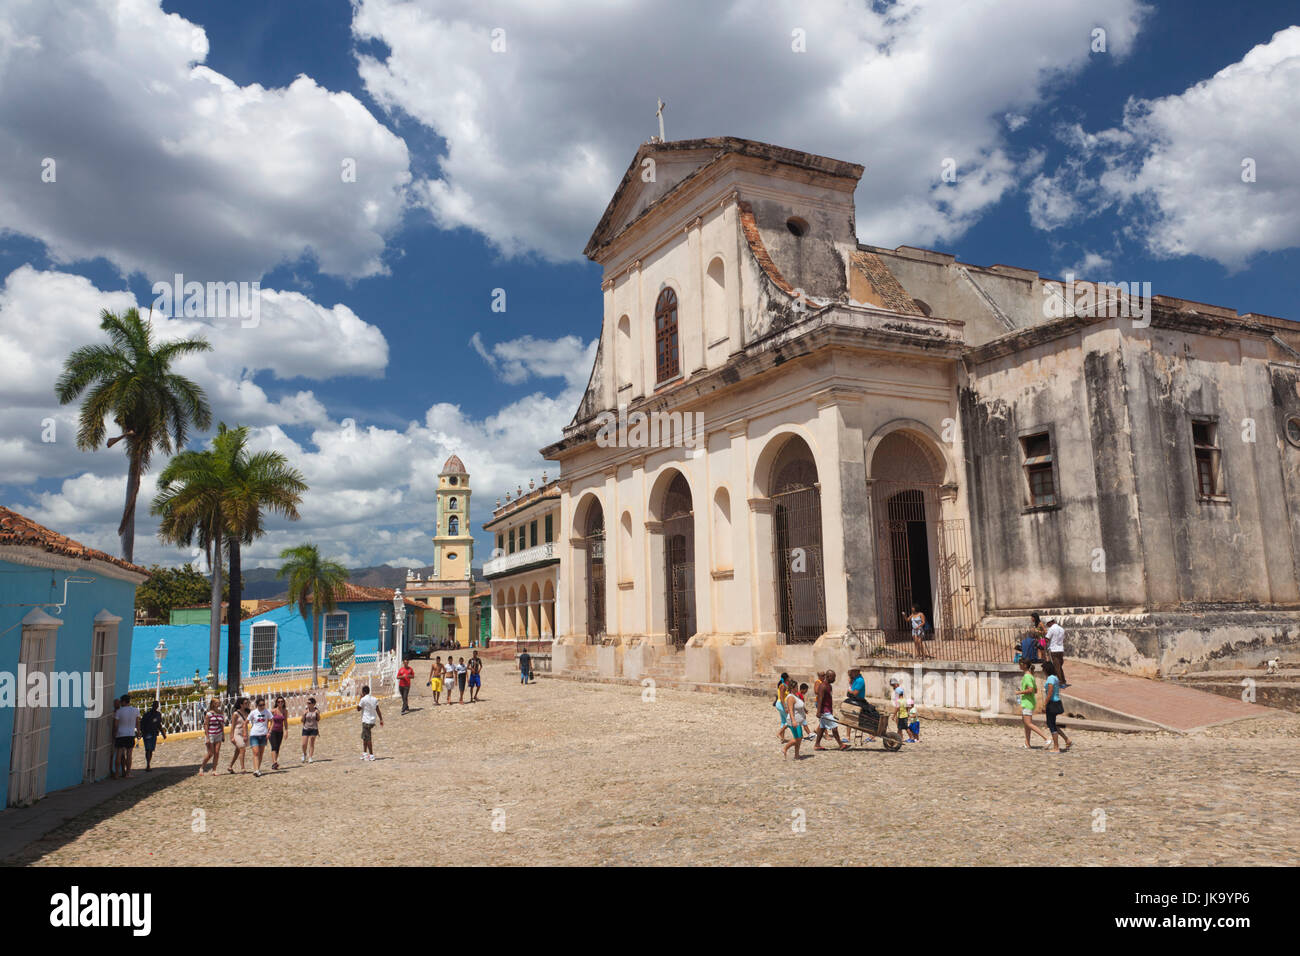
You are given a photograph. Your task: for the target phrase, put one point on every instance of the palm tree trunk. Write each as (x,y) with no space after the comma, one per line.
(214,631)
(232,621)
(126,530)
(315,650)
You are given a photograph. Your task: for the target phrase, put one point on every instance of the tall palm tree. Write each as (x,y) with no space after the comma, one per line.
(222,495)
(313,581)
(189,501)
(130,381)
(260,483)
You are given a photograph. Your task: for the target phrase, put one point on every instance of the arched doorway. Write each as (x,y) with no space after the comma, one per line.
(679,561)
(907,474)
(797,539)
(594,533)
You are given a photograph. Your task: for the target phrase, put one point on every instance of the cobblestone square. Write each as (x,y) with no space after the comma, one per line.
(583,773)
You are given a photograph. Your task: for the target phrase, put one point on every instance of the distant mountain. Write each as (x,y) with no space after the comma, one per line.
(262,583)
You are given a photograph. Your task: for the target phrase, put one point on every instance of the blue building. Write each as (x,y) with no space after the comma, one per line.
(66,614)
(275,638)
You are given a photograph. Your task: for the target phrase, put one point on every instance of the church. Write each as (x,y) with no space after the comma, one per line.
(876,433)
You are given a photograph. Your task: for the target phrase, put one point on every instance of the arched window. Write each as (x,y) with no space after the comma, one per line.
(623,352)
(451,503)
(715,301)
(453,525)
(667,361)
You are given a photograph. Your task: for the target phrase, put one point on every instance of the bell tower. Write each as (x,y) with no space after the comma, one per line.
(453,541)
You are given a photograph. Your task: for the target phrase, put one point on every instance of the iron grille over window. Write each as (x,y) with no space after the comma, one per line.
(1205,445)
(667,363)
(1039,470)
(263,656)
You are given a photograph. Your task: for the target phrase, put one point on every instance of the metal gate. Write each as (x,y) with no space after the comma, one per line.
(907,518)
(99,730)
(595,576)
(30,747)
(797,517)
(679,561)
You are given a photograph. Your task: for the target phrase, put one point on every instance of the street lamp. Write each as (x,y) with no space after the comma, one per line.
(159,654)
(399,618)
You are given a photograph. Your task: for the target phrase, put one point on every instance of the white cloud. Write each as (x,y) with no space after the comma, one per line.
(162,165)
(45,314)
(518,360)
(538,136)
(1175,164)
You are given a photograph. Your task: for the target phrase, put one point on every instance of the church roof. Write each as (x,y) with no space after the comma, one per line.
(698,154)
(453,466)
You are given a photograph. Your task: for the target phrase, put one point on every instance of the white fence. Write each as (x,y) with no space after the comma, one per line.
(380,674)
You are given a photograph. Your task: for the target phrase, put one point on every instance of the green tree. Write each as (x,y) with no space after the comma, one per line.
(223,495)
(130,381)
(315,582)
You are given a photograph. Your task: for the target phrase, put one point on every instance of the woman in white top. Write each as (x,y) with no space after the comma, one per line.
(259,729)
(449,678)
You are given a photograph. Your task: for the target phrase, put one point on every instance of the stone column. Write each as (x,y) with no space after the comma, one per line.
(656,609)
(849,566)
(763,592)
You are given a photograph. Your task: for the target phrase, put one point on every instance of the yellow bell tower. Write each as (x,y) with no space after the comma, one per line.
(453,541)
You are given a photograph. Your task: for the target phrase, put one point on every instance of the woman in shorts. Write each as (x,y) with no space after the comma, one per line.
(279,723)
(239,734)
(310,730)
(1055,708)
(449,677)
(259,731)
(1029,700)
(214,734)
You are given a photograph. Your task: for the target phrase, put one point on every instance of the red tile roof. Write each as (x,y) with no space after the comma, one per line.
(20,531)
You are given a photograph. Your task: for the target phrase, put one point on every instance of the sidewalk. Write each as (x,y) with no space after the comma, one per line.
(22,826)
(1172,706)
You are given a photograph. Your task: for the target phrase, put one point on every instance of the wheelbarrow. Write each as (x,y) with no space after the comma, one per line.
(859,722)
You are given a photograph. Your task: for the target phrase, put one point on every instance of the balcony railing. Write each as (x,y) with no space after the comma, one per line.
(538,552)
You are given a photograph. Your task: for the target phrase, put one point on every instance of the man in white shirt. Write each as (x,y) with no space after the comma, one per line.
(1056,650)
(370,712)
(126,724)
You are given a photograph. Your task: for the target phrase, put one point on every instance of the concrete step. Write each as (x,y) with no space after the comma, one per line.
(1268,691)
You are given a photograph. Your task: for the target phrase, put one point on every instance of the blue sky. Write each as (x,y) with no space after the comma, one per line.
(206,139)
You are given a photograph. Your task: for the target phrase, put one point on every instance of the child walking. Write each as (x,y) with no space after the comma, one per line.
(370,712)
(798,717)
(1028,700)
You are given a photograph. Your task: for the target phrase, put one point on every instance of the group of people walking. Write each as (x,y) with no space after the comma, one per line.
(792,708)
(254,727)
(1045,645)
(446,678)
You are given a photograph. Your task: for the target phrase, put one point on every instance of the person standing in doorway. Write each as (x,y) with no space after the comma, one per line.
(127,727)
(525,667)
(475,676)
(1056,649)
(404,677)
(151,725)
(310,730)
(917,621)
(370,713)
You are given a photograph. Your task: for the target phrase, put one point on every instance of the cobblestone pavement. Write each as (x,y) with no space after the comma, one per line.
(588,774)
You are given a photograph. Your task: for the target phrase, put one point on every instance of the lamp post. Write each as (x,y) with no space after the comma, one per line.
(399,619)
(160,655)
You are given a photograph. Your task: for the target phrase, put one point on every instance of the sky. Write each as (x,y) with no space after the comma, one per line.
(381,168)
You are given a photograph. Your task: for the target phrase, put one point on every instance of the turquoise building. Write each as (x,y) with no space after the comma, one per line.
(66,615)
(275,639)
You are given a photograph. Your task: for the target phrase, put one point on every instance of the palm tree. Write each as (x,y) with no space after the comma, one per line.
(189,501)
(316,581)
(130,381)
(260,483)
(222,494)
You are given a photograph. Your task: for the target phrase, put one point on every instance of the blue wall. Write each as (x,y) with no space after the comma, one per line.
(187,644)
(22,584)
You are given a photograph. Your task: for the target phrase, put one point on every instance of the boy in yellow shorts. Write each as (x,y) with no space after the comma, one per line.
(435,679)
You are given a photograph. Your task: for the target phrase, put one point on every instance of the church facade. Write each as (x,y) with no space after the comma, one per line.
(792,442)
